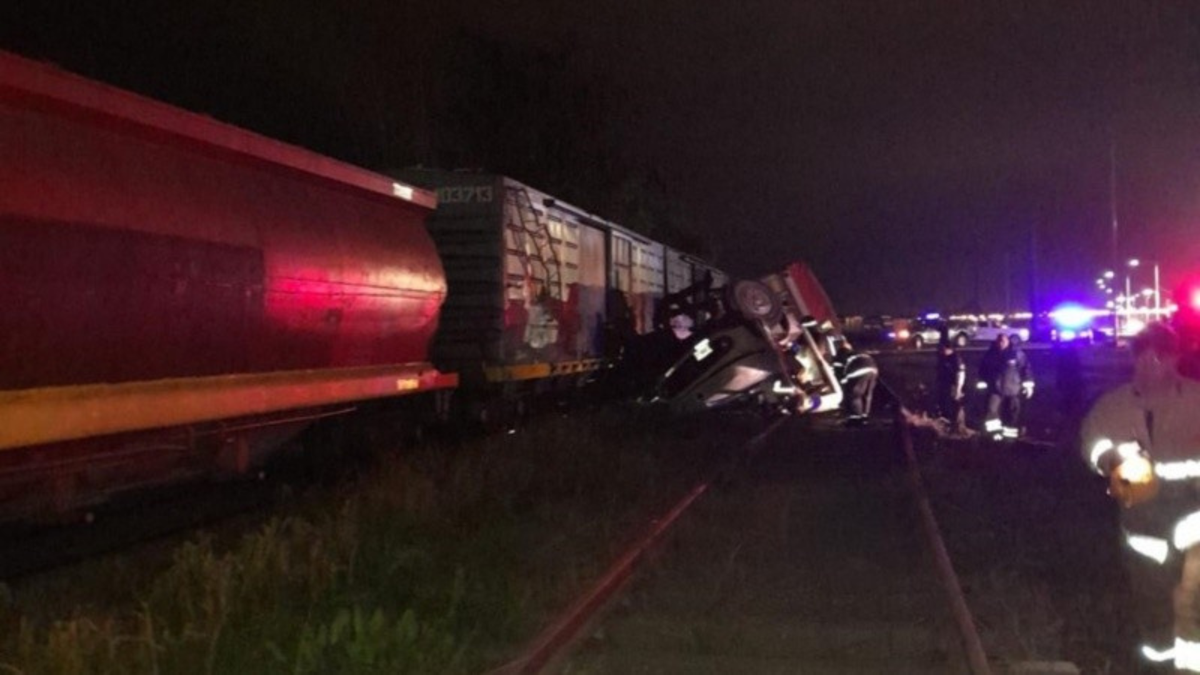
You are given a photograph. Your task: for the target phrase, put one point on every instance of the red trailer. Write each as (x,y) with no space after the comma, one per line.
(162,270)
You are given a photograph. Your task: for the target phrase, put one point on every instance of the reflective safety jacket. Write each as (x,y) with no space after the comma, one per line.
(854,366)
(1165,428)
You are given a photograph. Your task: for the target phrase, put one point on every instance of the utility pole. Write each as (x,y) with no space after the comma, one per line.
(1007,286)
(1112,201)
(1034,306)
(1112,207)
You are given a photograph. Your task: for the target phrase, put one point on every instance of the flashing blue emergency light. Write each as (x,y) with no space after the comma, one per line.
(932,316)
(1071,317)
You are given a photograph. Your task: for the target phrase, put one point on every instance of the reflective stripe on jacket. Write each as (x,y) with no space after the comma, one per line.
(1165,426)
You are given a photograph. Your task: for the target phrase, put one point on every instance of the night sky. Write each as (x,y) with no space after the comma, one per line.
(917,154)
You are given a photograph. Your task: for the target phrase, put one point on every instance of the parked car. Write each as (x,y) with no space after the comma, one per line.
(925,332)
(870,331)
(989,329)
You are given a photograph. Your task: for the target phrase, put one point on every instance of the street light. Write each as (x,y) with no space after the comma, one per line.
(1131,264)
(1157,292)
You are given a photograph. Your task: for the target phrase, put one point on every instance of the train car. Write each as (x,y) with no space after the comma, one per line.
(527,280)
(638,273)
(541,292)
(680,270)
(168,274)
(684,269)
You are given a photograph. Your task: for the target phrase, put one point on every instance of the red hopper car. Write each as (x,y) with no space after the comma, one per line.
(164,271)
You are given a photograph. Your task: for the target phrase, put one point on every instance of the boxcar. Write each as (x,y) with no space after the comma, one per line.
(539,290)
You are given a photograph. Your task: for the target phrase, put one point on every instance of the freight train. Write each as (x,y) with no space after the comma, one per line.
(184,296)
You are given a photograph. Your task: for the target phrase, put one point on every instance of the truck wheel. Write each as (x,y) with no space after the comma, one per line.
(918,342)
(756,302)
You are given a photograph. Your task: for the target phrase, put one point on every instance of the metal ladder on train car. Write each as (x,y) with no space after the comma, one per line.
(532,228)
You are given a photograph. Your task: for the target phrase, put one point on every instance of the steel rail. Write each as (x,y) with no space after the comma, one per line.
(968,633)
(553,641)
(551,644)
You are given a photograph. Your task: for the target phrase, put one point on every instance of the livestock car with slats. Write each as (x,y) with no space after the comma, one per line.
(541,292)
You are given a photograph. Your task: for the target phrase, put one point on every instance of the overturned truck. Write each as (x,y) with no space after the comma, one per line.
(763,344)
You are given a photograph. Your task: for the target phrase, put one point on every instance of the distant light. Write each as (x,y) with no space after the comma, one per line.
(1067,334)
(1110,304)
(1134,262)
(1133,326)
(1108,291)
(1108,274)
(931,316)
(1071,317)
(1147,292)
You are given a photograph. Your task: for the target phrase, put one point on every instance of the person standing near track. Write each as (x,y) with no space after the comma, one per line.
(948,385)
(1145,438)
(1006,374)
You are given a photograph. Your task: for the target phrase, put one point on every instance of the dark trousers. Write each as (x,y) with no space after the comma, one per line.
(951,408)
(1005,408)
(1167,596)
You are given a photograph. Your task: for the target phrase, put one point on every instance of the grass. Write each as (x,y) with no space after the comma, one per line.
(440,560)
(1031,532)
(1035,542)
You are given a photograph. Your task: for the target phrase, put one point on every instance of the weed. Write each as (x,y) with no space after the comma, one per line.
(441,560)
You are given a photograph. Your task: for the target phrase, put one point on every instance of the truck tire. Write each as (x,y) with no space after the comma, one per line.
(756,302)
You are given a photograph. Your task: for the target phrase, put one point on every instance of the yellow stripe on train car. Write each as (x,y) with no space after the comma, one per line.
(534,371)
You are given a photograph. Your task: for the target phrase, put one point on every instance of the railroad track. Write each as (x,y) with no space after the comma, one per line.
(819,556)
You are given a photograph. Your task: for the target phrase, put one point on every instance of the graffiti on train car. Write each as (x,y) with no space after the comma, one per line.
(554,289)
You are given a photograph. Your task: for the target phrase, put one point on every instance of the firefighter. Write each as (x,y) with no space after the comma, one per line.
(1006,375)
(857,373)
(1145,438)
